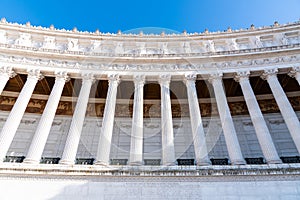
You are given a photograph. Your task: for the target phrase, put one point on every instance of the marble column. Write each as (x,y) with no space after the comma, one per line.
(15,116)
(295,73)
(284,105)
(104,145)
(232,143)
(136,145)
(199,141)
(168,150)
(261,129)
(5,74)
(43,129)
(70,150)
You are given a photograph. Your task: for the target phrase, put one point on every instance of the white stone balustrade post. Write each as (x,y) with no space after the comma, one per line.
(232,143)
(43,129)
(168,150)
(5,74)
(70,150)
(260,126)
(284,105)
(104,145)
(295,73)
(15,116)
(136,145)
(199,141)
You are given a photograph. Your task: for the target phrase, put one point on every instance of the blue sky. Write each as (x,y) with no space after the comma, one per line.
(178,15)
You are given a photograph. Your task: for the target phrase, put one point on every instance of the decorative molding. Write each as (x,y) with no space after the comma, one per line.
(254,64)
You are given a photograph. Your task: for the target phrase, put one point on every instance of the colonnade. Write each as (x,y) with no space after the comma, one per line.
(136,148)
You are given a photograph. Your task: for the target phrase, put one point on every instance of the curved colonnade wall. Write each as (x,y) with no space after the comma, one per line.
(124,99)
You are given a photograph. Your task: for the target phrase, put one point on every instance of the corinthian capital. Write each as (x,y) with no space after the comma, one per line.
(242,75)
(269,72)
(7,71)
(35,74)
(190,77)
(62,75)
(215,76)
(113,78)
(139,79)
(294,71)
(164,79)
(86,77)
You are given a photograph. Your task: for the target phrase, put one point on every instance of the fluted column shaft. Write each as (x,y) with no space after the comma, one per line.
(43,129)
(261,129)
(168,150)
(5,74)
(104,145)
(284,105)
(15,116)
(200,147)
(136,145)
(74,134)
(232,143)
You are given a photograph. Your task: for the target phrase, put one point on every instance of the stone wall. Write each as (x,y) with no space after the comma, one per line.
(270,187)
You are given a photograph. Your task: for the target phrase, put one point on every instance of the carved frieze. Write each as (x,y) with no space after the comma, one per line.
(150,110)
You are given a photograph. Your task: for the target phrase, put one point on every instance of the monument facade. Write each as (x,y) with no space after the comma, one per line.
(140,116)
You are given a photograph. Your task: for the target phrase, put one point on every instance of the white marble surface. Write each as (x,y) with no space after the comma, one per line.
(146,188)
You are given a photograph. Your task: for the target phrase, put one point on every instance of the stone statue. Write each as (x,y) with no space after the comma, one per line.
(210,46)
(258,42)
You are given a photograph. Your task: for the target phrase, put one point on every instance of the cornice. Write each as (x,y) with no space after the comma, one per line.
(52,41)
(205,66)
(77,33)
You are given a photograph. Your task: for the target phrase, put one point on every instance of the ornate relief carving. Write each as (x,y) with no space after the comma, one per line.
(49,42)
(72,44)
(3,38)
(24,40)
(65,108)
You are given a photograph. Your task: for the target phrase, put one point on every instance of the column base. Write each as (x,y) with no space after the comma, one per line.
(136,163)
(101,163)
(31,161)
(169,164)
(274,161)
(238,162)
(66,162)
(203,162)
